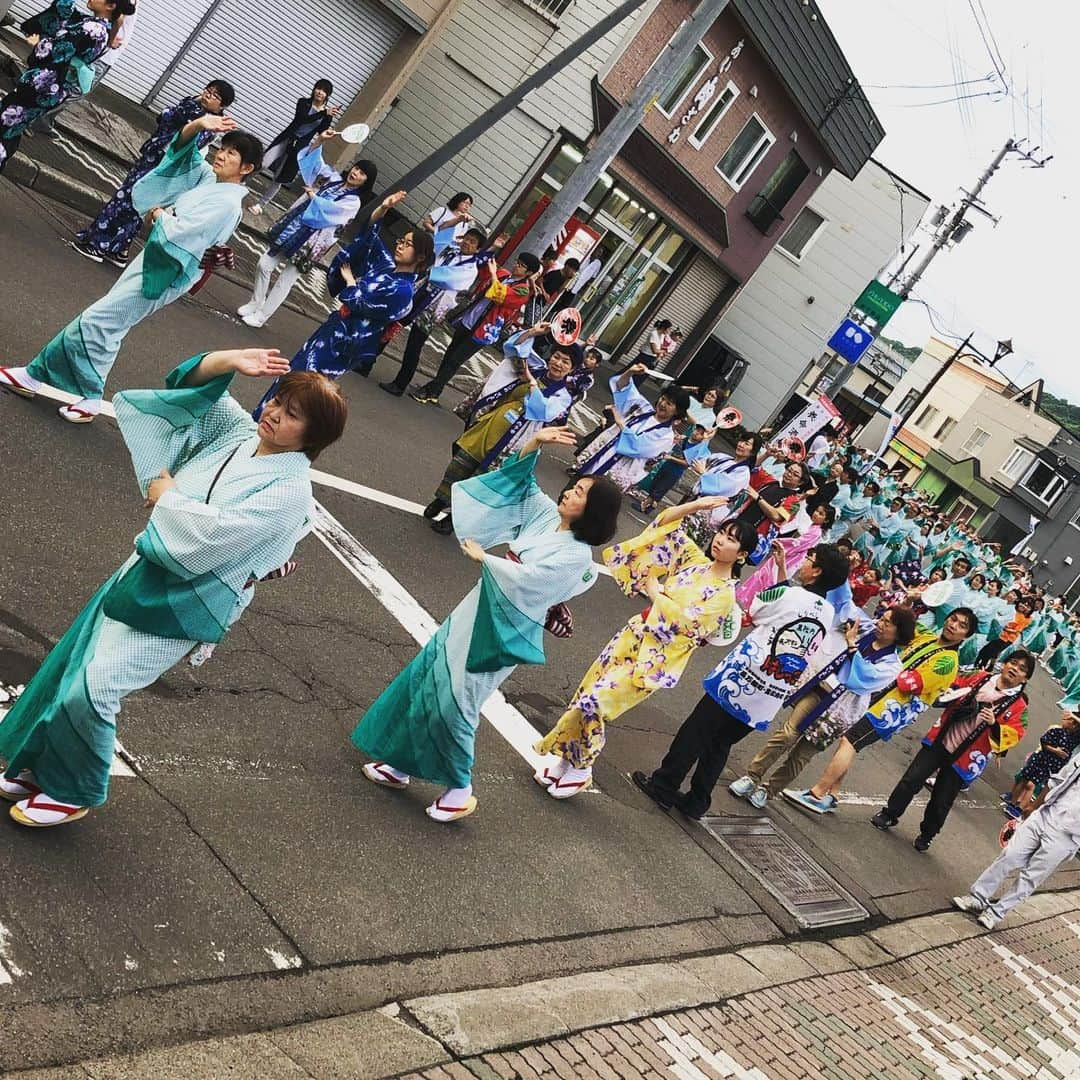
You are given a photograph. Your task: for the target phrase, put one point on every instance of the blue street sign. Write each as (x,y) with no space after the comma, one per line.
(850,341)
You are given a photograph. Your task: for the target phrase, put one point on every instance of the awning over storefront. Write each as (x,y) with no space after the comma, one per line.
(657,166)
(907,454)
(965,474)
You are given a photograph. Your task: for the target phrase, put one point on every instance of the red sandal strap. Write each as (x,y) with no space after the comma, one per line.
(33,804)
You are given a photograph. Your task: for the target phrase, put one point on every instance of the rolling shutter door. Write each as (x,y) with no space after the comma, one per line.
(688,302)
(273,52)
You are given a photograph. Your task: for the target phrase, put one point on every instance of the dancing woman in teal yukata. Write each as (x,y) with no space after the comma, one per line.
(194,206)
(230,500)
(424,723)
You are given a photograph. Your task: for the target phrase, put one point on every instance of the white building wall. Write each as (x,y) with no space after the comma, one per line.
(489,47)
(772,325)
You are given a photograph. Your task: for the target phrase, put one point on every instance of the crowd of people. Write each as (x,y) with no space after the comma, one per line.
(840,594)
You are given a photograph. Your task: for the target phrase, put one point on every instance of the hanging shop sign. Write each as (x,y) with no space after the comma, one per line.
(879,302)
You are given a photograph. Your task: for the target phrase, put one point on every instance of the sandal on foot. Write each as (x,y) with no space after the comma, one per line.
(18,787)
(74,415)
(42,812)
(10,382)
(547,775)
(438,811)
(379,773)
(571,783)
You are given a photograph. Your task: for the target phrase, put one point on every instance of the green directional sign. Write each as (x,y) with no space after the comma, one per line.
(879,302)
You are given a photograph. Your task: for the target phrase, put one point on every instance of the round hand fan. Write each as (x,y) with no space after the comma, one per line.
(566,326)
(935,595)
(794,447)
(355,133)
(728,418)
(1007,831)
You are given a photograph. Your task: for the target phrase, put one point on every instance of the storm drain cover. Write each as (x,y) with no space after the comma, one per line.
(813,898)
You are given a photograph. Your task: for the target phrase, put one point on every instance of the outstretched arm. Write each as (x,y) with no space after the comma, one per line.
(206,122)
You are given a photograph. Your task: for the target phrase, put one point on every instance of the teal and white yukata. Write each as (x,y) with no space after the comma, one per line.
(202,213)
(231,519)
(424,723)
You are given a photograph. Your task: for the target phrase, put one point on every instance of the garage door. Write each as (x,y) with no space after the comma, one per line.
(271,51)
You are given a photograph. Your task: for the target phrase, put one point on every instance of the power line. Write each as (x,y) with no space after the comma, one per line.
(998,94)
(985,40)
(927,86)
(990,31)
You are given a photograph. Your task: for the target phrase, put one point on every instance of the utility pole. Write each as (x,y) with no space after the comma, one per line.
(952,230)
(623,124)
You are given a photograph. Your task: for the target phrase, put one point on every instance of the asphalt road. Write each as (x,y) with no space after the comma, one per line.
(248,852)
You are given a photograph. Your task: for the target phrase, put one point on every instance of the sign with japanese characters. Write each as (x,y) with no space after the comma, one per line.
(879,302)
(705,93)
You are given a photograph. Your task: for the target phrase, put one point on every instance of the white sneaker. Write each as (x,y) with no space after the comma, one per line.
(986,920)
(758,798)
(742,787)
(247,309)
(967,903)
(257,319)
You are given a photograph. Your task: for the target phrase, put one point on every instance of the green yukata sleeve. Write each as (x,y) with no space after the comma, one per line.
(164,428)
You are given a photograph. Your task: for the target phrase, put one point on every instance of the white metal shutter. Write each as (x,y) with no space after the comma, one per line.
(688,302)
(272,52)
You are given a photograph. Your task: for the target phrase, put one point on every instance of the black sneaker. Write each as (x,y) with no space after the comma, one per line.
(645,784)
(444,526)
(391,388)
(119,261)
(883,820)
(87,252)
(424,397)
(922,843)
(434,508)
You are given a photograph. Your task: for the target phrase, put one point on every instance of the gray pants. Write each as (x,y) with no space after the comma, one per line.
(1036,850)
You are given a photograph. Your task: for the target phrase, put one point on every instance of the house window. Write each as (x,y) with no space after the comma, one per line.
(684,80)
(976,441)
(767,207)
(927,417)
(745,152)
(1045,484)
(946,428)
(551,8)
(802,233)
(1074,521)
(1016,463)
(875,395)
(713,115)
(909,402)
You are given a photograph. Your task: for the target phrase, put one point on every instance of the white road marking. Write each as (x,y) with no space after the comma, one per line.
(8,968)
(854,799)
(281,961)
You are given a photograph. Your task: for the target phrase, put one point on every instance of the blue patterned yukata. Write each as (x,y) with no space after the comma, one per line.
(57,71)
(118,222)
(350,337)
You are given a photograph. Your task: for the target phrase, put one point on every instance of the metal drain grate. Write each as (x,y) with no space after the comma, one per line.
(813,898)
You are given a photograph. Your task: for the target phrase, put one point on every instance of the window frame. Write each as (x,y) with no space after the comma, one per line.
(924,415)
(764,144)
(709,58)
(811,240)
(944,431)
(1073,521)
(1054,476)
(1003,468)
(968,448)
(698,143)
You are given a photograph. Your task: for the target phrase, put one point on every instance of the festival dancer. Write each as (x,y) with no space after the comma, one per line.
(313,115)
(829,703)
(424,723)
(108,238)
(983,716)
(722,474)
(930,665)
(65,44)
(230,500)
(639,434)
(309,228)
(691,600)
(669,471)
(1007,638)
(1049,836)
(521,395)
(1056,745)
(194,206)
(374,288)
(804,535)
(484,321)
(747,688)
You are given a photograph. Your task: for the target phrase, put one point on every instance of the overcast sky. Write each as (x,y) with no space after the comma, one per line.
(1015,280)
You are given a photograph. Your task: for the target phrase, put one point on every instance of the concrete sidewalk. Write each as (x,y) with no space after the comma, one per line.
(532,1029)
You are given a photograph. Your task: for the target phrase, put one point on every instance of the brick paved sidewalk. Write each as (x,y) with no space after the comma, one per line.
(1006,1005)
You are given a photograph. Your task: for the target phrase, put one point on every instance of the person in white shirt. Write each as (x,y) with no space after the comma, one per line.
(1049,836)
(449,223)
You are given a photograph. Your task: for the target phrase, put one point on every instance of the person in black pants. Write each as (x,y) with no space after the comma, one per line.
(989,716)
(791,621)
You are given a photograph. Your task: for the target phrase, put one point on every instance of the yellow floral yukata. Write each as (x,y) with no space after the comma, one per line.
(652,650)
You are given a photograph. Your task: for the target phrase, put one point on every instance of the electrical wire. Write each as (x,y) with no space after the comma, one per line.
(997,94)
(990,31)
(930,313)
(986,41)
(927,86)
